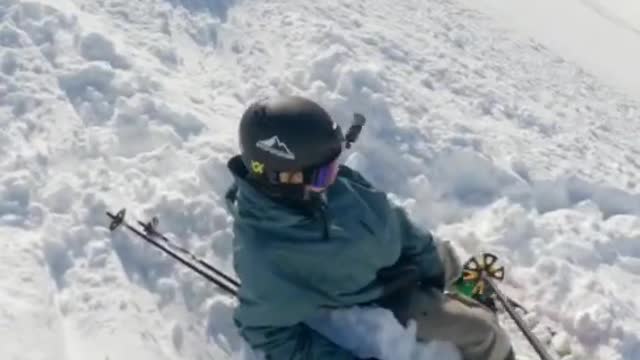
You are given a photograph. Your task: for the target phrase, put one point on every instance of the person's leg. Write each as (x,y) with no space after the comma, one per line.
(469,325)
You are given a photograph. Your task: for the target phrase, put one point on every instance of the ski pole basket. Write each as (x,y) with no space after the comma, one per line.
(478,281)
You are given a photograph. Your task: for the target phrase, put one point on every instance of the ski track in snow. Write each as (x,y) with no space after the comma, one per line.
(492,141)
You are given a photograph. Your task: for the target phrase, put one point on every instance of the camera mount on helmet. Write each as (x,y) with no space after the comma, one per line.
(354,130)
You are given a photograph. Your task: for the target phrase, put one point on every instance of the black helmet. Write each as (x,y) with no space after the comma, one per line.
(287,134)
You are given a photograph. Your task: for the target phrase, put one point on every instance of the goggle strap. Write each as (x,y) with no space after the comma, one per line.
(321,176)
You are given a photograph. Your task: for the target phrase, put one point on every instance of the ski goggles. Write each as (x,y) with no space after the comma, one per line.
(325,175)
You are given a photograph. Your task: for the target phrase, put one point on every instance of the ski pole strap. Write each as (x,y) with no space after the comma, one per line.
(531,337)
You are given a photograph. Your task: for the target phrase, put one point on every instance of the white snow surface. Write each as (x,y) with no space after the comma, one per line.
(602,36)
(490,139)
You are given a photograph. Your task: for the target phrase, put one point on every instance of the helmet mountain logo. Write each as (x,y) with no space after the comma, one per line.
(276,147)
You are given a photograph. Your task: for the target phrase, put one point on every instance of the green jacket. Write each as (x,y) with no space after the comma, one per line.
(353,250)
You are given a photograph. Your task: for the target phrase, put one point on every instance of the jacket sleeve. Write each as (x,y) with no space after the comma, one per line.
(298,342)
(282,334)
(420,249)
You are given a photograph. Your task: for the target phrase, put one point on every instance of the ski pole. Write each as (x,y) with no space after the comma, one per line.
(531,337)
(118,220)
(150,230)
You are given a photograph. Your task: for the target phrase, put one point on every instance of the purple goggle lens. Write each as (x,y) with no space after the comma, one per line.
(325,175)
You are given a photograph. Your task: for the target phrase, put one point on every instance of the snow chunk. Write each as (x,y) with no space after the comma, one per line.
(40,22)
(353,79)
(220,324)
(594,324)
(177,336)
(167,289)
(217,8)
(15,197)
(59,195)
(565,192)
(471,178)
(98,253)
(205,33)
(375,332)
(325,66)
(140,111)
(58,258)
(9,63)
(90,90)
(11,37)
(167,54)
(561,343)
(96,47)
(95,75)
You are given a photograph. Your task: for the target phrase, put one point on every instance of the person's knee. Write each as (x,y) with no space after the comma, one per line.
(490,343)
(500,346)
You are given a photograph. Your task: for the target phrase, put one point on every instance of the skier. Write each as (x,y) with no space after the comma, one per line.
(312,235)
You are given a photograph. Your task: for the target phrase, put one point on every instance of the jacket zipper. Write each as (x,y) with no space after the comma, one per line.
(322,210)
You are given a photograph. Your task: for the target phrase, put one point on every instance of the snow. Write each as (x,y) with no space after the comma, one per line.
(372,332)
(602,36)
(488,138)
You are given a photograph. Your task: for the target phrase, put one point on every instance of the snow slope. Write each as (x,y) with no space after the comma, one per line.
(602,36)
(492,141)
